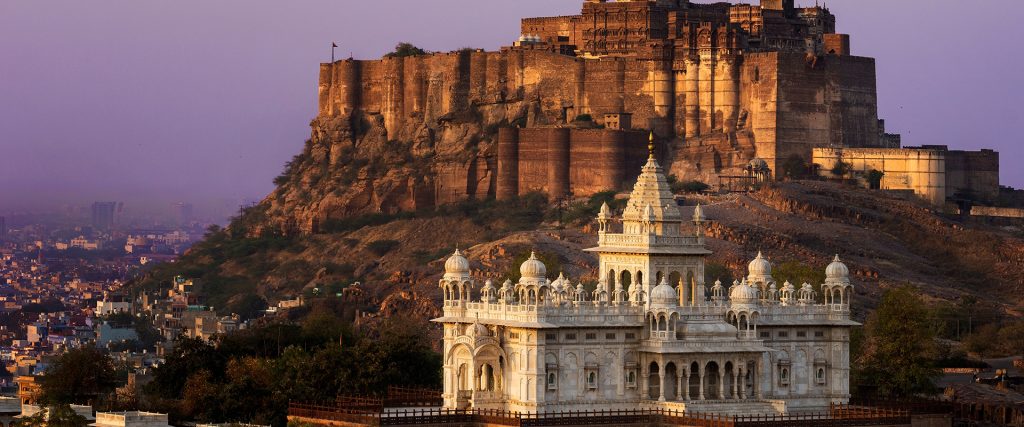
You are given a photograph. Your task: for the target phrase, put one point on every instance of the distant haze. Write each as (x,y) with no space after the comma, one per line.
(151,102)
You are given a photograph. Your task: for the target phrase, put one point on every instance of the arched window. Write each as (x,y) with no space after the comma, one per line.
(551,379)
(592,380)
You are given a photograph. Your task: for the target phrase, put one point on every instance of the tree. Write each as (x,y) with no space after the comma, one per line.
(405,49)
(794,167)
(249,306)
(874,178)
(78,376)
(689,187)
(840,169)
(53,416)
(899,346)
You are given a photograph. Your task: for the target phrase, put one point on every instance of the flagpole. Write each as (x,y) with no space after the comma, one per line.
(333,45)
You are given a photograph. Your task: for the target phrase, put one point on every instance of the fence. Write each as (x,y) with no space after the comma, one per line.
(837,416)
(407,397)
(1000,414)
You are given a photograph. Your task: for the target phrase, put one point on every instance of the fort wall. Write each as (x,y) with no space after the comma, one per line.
(973,173)
(920,170)
(718,84)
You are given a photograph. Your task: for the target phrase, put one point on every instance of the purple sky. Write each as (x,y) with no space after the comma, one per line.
(198,100)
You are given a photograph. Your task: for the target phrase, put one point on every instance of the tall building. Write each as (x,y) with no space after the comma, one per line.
(651,334)
(104,215)
(3,228)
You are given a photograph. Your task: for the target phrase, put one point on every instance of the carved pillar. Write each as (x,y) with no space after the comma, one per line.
(679,383)
(756,374)
(703,368)
(743,384)
(734,393)
(721,381)
(661,383)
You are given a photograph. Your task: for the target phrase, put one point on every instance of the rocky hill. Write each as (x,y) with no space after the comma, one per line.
(396,258)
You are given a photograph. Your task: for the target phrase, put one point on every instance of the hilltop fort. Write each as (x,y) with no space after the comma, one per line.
(729,90)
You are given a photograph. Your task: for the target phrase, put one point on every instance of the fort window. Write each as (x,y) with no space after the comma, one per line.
(592,380)
(552,381)
(801,334)
(551,337)
(513,335)
(630,336)
(591,336)
(784,376)
(631,379)
(570,337)
(609,336)
(757,75)
(820,376)
(819,334)
(766,334)
(783,334)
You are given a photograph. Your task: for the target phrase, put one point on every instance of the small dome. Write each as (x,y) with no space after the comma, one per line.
(837,270)
(456,264)
(760,266)
(717,285)
(481,330)
(758,164)
(743,294)
(533,268)
(606,212)
(489,285)
(664,295)
(559,283)
(507,286)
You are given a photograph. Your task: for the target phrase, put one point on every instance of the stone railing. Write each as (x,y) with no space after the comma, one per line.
(609,239)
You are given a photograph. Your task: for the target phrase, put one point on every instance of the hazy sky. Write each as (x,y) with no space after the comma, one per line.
(152,101)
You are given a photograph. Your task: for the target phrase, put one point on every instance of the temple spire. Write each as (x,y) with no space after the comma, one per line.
(650,146)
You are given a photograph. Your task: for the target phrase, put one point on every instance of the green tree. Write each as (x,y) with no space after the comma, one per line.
(899,346)
(840,169)
(689,187)
(794,167)
(798,273)
(190,355)
(53,416)
(405,49)
(78,376)
(249,306)
(715,271)
(874,178)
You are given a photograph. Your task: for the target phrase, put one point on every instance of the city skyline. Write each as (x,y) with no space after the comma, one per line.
(86,117)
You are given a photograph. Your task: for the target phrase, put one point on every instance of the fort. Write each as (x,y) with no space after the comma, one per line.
(720,85)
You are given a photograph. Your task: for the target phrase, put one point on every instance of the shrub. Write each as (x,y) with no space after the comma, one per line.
(381,247)
(794,167)
(840,169)
(874,178)
(405,49)
(689,187)
(584,118)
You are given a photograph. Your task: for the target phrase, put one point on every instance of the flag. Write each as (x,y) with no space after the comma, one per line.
(334,45)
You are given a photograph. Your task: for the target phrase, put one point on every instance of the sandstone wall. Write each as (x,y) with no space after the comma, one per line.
(920,170)
(559,161)
(793,107)
(974,172)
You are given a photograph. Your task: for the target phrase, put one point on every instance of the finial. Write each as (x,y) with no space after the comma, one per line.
(650,145)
